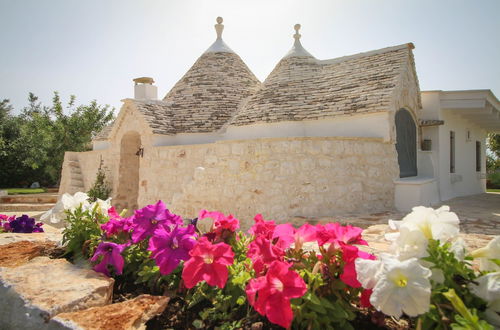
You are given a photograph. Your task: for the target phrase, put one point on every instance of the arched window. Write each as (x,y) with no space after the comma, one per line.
(406,143)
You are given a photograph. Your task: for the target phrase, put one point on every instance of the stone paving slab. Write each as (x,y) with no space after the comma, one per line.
(478,214)
(128,315)
(33,293)
(18,253)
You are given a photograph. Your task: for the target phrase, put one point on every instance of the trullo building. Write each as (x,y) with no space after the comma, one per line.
(316,138)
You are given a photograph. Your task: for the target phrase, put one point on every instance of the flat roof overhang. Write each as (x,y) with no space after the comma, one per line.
(480,107)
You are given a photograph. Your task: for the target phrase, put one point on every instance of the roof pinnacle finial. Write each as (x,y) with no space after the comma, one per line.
(219,27)
(297,49)
(297,35)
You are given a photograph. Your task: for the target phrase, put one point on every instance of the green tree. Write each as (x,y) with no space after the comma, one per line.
(43,134)
(493,159)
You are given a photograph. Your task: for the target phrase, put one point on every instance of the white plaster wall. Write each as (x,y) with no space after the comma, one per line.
(469,181)
(185,139)
(100,145)
(374,125)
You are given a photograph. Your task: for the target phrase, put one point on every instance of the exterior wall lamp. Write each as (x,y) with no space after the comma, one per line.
(140,152)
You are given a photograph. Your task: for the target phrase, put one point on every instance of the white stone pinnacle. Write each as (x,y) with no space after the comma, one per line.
(219,46)
(297,49)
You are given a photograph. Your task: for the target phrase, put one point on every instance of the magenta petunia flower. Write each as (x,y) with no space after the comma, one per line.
(170,247)
(116,224)
(222,225)
(288,235)
(263,253)
(262,228)
(270,294)
(146,220)
(208,263)
(337,234)
(111,255)
(349,254)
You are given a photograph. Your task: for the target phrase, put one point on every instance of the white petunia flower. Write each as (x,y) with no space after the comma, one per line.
(410,244)
(102,206)
(458,247)
(67,202)
(488,288)
(368,271)
(402,287)
(440,224)
(484,254)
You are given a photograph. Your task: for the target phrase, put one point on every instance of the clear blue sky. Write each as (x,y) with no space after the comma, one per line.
(94,48)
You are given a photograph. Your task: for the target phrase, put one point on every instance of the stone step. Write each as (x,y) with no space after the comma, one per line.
(19,207)
(75,170)
(74,163)
(29,199)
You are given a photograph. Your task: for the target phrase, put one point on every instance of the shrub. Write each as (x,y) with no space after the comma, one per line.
(100,189)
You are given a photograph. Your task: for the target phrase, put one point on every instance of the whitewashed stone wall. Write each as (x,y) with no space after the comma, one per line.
(280,177)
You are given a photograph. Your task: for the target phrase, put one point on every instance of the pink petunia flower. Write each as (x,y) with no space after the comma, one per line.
(170,247)
(146,220)
(116,224)
(364,299)
(263,253)
(288,235)
(337,234)
(262,228)
(222,225)
(349,254)
(208,263)
(111,255)
(270,294)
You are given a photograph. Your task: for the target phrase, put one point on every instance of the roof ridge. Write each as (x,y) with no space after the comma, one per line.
(363,54)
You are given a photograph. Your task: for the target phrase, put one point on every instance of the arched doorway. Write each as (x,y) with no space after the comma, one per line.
(128,178)
(406,143)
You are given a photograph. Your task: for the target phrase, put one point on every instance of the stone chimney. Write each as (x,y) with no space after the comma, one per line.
(144,89)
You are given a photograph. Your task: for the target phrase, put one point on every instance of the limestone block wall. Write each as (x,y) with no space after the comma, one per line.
(282,178)
(278,177)
(80,169)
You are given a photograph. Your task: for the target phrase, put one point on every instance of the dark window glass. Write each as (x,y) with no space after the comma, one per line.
(478,156)
(452,152)
(406,143)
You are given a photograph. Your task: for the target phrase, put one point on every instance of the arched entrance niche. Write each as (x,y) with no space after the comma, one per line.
(406,143)
(128,178)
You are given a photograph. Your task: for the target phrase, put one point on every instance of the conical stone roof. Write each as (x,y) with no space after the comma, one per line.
(210,92)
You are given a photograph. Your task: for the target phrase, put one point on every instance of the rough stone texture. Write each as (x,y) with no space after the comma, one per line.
(303,88)
(280,178)
(131,314)
(209,94)
(38,290)
(19,253)
(51,235)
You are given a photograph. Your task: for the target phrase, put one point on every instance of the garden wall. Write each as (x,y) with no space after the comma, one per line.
(278,177)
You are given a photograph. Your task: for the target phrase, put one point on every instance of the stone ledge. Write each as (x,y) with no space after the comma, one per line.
(18,253)
(130,314)
(33,293)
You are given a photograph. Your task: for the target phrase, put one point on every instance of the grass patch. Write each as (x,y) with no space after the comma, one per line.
(493,190)
(22,191)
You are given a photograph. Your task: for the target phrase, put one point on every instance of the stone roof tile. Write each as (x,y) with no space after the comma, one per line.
(303,88)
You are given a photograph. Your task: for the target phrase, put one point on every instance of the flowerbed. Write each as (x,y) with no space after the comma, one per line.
(276,275)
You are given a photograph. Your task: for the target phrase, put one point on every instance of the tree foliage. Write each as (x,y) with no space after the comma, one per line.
(33,143)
